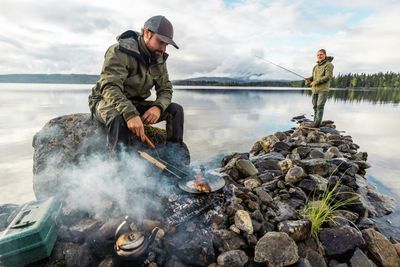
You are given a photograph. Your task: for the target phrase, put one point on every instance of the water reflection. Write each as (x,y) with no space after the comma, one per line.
(381,96)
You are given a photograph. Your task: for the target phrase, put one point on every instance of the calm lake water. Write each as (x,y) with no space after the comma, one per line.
(217,122)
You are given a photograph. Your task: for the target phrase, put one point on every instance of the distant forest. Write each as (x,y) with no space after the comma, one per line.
(350,80)
(377,80)
(237,83)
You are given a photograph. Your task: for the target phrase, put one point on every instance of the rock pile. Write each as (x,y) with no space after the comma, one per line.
(260,217)
(283,173)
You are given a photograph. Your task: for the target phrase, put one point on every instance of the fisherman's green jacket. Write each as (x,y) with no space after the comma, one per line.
(127,76)
(322,73)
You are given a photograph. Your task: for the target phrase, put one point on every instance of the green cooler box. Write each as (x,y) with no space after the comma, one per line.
(31,235)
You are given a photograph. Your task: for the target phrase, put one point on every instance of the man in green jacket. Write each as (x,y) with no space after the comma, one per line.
(132,66)
(320,82)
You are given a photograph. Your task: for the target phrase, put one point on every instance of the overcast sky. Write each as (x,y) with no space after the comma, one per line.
(216,38)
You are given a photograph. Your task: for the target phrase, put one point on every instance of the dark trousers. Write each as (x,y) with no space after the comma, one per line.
(318,102)
(119,133)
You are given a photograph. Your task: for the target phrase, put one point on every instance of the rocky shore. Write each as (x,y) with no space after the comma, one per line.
(297,198)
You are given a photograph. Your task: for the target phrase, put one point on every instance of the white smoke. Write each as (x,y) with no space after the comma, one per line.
(101,184)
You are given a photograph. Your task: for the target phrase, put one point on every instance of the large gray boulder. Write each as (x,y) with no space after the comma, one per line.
(63,141)
(69,141)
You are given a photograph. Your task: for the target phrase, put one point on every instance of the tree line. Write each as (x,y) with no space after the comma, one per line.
(363,80)
(349,80)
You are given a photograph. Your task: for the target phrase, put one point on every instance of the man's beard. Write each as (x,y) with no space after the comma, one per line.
(157,54)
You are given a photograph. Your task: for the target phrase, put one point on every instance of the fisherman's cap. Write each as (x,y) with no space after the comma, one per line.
(163,27)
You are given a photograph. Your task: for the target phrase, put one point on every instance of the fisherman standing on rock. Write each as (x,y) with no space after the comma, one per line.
(320,80)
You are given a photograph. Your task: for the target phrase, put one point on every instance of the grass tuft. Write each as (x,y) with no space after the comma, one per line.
(323,210)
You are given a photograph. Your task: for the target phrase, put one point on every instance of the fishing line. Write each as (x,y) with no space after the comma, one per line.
(266,60)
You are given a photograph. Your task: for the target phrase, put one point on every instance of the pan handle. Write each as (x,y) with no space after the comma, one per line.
(152,160)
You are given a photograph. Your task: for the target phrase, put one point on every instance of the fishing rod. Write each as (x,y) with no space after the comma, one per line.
(280,67)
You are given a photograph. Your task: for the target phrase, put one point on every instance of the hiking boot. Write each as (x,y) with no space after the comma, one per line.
(315,124)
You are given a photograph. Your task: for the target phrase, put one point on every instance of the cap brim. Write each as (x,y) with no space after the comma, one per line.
(168,40)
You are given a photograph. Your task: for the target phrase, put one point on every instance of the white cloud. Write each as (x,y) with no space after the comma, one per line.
(216,39)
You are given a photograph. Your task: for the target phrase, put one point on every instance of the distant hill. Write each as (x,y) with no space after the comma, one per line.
(226,81)
(49,78)
(91,79)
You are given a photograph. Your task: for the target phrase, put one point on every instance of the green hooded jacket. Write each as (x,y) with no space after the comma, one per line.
(127,76)
(322,73)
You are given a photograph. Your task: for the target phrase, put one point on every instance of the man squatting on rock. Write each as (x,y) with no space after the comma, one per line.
(320,81)
(131,68)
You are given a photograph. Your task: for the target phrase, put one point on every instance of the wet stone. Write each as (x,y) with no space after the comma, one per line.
(270,186)
(295,174)
(226,240)
(285,165)
(380,248)
(184,245)
(281,184)
(268,142)
(301,151)
(252,205)
(308,185)
(246,167)
(243,221)
(276,248)
(263,195)
(229,157)
(335,263)
(359,259)
(281,136)
(363,164)
(267,165)
(316,154)
(316,166)
(297,230)
(315,259)
(233,228)
(266,177)
(302,263)
(328,130)
(285,212)
(257,215)
(281,146)
(361,156)
(256,225)
(252,183)
(365,223)
(340,242)
(233,258)
(270,155)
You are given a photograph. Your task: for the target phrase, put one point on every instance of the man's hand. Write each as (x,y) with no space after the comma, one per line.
(313,83)
(151,115)
(136,126)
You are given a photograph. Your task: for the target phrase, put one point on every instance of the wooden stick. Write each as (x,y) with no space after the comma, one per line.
(152,160)
(149,142)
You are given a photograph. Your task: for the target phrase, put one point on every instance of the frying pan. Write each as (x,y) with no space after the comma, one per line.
(186,180)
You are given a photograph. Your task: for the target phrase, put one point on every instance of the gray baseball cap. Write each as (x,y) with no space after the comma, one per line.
(163,27)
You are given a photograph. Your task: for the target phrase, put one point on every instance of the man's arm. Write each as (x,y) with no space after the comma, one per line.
(113,75)
(163,88)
